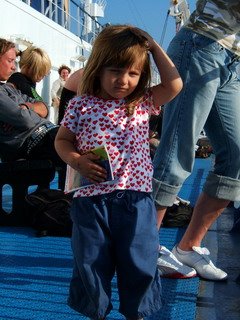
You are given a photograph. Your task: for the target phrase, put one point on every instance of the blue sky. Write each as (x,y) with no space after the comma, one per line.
(149,15)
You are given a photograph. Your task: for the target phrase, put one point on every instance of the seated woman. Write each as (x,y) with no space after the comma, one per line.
(34,64)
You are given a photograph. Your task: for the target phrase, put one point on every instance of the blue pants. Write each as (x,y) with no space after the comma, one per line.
(210,98)
(115,232)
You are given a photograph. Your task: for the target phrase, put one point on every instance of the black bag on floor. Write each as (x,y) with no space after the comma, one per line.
(48,212)
(178,215)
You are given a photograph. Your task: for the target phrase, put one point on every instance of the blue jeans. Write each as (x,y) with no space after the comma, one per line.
(116,232)
(210,99)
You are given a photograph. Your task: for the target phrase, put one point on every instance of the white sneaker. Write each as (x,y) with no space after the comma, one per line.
(170,267)
(199,260)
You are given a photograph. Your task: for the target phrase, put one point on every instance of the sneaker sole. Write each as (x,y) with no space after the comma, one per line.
(177,276)
(204,277)
(214,280)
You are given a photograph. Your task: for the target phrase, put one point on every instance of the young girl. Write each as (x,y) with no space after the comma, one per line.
(114,223)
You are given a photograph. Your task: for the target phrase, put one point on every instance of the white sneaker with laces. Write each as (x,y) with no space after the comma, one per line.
(199,259)
(170,267)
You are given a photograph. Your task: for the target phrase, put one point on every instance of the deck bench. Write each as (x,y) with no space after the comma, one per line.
(20,175)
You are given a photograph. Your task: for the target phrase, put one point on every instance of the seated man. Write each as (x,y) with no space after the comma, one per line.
(24,131)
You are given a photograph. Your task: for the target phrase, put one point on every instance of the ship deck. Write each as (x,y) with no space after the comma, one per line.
(35,272)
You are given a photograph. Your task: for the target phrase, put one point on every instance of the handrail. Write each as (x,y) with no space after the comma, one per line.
(70,15)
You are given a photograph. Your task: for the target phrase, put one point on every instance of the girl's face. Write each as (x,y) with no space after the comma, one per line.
(118,83)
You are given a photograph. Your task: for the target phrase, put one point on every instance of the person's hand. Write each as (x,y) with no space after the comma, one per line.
(150,42)
(30,105)
(87,165)
(153,144)
(55,102)
(23,106)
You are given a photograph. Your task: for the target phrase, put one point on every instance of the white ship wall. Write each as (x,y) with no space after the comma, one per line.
(20,20)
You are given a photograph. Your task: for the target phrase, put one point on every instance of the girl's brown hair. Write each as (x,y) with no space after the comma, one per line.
(119,46)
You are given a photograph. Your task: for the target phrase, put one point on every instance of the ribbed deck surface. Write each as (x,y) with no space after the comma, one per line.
(35,272)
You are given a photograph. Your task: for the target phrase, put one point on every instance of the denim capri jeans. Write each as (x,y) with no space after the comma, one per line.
(210,99)
(115,233)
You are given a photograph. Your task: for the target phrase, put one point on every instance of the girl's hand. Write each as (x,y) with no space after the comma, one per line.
(151,43)
(87,165)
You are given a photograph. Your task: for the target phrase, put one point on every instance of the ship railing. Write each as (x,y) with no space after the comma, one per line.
(71,15)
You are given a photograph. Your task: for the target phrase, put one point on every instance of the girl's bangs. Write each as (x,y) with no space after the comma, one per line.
(128,57)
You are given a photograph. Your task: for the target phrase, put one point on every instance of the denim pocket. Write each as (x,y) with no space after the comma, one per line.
(206,44)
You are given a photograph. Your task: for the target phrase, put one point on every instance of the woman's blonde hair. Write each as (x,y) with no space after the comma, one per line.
(119,46)
(35,63)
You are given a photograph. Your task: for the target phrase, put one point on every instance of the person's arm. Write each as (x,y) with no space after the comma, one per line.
(13,107)
(73,81)
(65,147)
(66,96)
(68,92)
(31,103)
(55,88)
(171,82)
(39,107)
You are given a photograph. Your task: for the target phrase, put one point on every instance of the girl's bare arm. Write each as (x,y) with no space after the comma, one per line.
(171,82)
(85,164)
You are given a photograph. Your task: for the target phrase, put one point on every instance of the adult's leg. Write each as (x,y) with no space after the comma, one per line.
(199,61)
(185,116)
(46,150)
(160,215)
(206,211)
(223,184)
(183,121)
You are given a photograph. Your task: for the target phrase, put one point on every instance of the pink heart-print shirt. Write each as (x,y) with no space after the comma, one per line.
(97,122)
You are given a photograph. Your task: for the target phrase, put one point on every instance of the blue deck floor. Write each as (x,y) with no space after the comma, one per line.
(35,272)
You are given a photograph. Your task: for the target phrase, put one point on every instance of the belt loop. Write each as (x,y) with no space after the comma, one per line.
(120,194)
